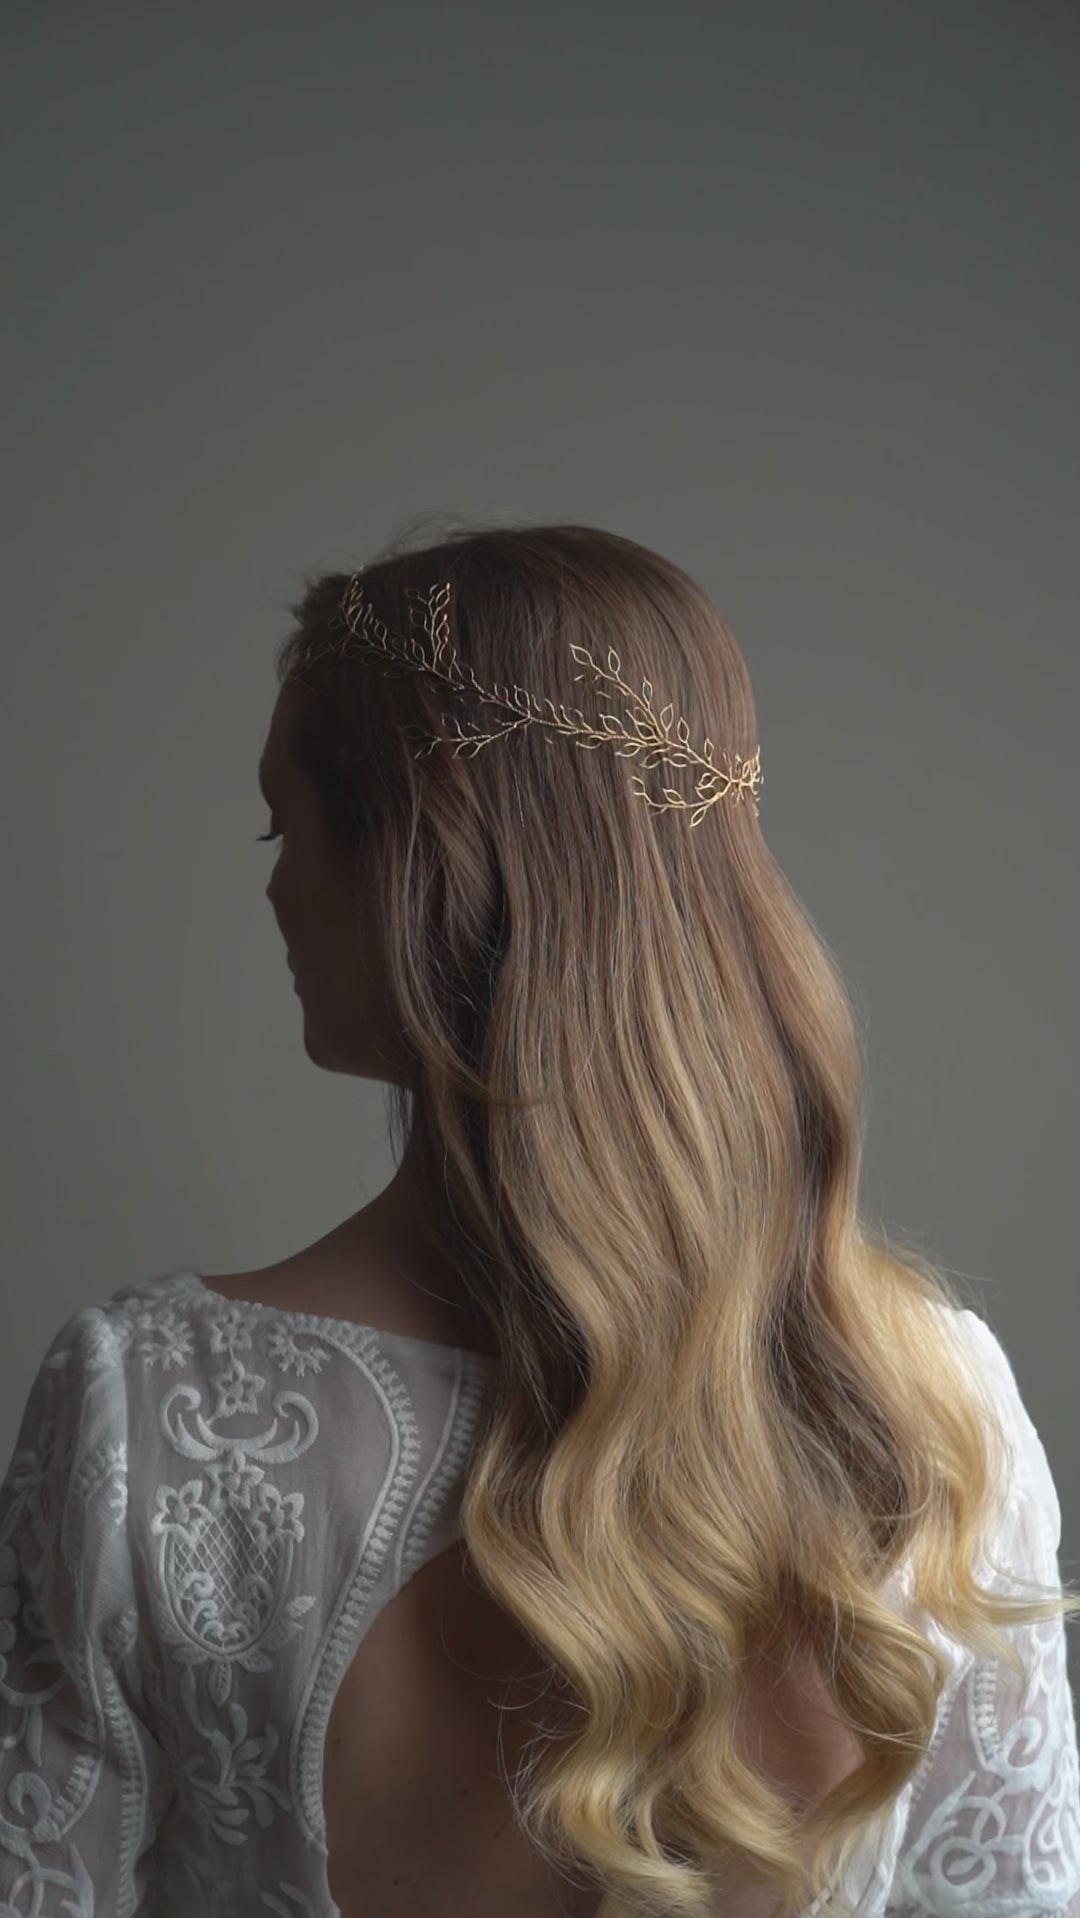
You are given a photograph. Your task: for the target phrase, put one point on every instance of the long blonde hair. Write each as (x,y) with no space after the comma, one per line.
(725,1412)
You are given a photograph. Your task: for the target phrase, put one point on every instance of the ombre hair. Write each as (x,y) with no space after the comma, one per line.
(728,1427)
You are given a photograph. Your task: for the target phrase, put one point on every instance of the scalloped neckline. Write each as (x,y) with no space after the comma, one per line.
(326,1318)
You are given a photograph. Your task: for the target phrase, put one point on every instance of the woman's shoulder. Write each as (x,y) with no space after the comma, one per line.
(359,1281)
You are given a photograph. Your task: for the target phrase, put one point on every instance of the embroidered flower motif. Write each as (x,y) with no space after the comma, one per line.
(236,1390)
(243,1763)
(291,1357)
(216,1571)
(180,1511)
(275,1515)
(230,1331)
(233,1481)
(163,1337)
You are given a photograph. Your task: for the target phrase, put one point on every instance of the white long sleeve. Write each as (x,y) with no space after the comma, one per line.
(993,1824)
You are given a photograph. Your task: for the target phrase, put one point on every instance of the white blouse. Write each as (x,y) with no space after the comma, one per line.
(210,1502)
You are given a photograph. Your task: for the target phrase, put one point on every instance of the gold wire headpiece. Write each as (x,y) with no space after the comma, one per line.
(653,735)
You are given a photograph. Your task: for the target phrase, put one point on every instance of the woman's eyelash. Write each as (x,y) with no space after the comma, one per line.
(266,835)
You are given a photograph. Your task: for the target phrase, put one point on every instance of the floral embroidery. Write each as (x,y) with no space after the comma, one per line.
(153,1608)
(171,1633)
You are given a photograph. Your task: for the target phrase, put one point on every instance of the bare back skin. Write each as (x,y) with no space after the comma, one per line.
(436,1709)
(419,1818)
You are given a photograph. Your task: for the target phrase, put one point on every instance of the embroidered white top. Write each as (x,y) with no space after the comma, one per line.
(209,1503)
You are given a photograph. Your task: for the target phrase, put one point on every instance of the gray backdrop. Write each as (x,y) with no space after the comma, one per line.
(789,292)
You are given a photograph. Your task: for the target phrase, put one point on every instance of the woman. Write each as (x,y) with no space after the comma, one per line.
(604,1518)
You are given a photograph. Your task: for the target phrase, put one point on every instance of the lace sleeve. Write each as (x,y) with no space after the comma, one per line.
(993,1829)
(82,1779)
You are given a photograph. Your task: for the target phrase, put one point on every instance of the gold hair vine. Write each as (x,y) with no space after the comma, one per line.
(653,736)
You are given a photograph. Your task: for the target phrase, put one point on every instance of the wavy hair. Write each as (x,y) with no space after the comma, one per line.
(725,1414)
